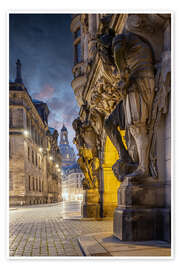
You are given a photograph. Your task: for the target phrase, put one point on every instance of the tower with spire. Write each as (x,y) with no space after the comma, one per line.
(18,72)
(64,135)
(67,152)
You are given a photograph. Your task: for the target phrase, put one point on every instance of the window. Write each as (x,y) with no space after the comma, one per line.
(39,184)
(17,118)
(29,182)
(36,160)
(36,184)
(39,162)
(33,183)
(33,133)
(10,119)
(28,153)
(32,156)
(28,123)
(10,150)
(10,182)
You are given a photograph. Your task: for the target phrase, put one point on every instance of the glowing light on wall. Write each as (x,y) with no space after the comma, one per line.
(26,133)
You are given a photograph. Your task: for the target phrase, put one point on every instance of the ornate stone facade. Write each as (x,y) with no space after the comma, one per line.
(33,150)
(123,129)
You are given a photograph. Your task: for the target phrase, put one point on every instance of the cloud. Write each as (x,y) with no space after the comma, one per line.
(44,44)
(46,93)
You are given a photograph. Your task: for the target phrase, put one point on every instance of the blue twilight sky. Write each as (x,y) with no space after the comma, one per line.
(43,43)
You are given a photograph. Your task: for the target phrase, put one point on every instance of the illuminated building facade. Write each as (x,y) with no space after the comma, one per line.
(72,183)
(33,150)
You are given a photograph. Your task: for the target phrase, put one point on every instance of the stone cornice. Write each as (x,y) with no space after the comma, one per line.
(25,95)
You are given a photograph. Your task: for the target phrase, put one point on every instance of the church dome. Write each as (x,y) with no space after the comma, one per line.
(67,152)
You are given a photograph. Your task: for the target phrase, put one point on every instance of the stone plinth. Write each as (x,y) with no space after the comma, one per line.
(91,206)
(140,213)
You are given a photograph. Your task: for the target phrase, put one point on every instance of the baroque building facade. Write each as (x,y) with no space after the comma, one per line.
(34,157)
(122,84)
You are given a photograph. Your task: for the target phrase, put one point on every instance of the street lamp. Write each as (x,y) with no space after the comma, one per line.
(40,149)
(26,133)
(57,166)
(51,158)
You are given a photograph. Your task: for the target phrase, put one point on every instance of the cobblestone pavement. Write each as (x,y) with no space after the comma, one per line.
(41,231)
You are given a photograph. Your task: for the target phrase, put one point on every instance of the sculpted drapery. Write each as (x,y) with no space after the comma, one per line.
(128,80)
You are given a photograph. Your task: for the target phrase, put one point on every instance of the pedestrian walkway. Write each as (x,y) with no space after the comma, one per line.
(52,231)
(105,244)
(42,231)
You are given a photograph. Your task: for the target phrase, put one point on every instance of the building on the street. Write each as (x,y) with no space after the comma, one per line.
(122,84)
(72,186)
(53,166)
(31,145)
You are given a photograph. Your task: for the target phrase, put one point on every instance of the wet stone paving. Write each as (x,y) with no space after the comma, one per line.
(41,231)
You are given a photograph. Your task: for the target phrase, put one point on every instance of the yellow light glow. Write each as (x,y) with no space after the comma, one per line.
(50,158)
(40,149)
(26,133)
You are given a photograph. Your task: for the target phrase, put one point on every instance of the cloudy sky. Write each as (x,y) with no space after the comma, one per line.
(43,43)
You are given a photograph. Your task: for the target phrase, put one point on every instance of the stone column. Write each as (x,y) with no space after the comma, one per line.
(92,33)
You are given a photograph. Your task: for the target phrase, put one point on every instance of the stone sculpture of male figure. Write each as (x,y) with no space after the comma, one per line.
(134,61)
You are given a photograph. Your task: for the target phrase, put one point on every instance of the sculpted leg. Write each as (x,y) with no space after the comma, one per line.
(143,140)
(116,139)
(124,164)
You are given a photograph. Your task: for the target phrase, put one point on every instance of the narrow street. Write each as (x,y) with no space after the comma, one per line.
(50,230)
